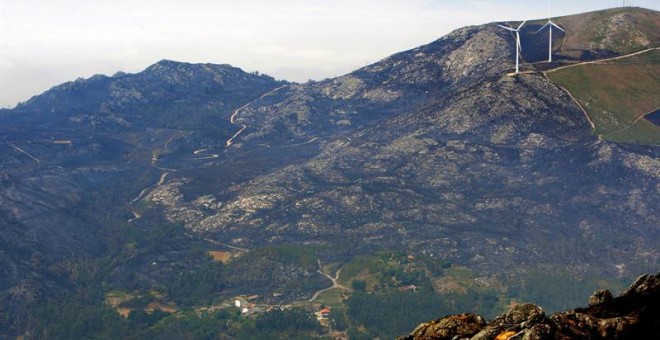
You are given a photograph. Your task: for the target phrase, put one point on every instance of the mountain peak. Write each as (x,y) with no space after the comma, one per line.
(173,65)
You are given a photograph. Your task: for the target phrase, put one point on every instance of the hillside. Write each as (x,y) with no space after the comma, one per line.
(616,31)
(598,61)
(74,157)
(186,185)
(617,95)
(592,36)
(435,150)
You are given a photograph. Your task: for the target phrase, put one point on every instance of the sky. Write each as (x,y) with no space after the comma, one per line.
(44,43)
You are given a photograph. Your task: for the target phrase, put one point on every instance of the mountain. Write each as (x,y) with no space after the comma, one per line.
(438,151)
(73,158)
(128,182)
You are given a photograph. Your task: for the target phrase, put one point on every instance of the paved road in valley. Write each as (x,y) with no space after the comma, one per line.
(335,284)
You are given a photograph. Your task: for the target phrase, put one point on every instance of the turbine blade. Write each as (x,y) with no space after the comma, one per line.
(518,41)
(521,25)
(561,29)
(544,26)
(507,28)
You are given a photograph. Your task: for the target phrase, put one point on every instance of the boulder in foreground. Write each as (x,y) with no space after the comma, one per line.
(632,315)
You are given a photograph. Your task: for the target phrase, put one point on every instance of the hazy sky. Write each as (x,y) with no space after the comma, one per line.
(47,42)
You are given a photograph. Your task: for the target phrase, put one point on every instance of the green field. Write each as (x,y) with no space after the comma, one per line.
(332,298)
(616,95)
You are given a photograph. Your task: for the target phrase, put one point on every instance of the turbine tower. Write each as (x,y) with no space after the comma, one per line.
(518,45)
(549,25)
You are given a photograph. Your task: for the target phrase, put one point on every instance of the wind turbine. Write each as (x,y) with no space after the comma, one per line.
(518,45)
(549,25)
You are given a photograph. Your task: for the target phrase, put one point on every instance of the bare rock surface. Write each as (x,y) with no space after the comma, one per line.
(632,315)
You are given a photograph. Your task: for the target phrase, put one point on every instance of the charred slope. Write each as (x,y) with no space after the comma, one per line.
(592,36)
(436,150)
(74,158)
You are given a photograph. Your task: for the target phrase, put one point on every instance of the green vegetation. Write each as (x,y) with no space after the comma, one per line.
(68,318)
(289,324)
(198,287)
(359,285)
(332,298)
(392,292)
(191,325)
(292,324)
(384,305)
(109,303)
(392,313)
(285,269)
(386,270)
(616,95)
(557,289)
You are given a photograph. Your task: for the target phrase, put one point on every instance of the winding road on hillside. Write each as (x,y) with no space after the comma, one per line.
(202,154)
(642,116)
(232,119)
(226,245)
(24,152)
(596,62)
(335,284)
(599,61)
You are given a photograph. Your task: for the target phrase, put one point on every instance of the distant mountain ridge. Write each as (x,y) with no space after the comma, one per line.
(156,97)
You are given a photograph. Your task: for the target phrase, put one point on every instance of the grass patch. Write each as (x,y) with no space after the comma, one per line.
(116,297)
(616,95)
(221,256)
(332,298)
(156,305)
(391,270)
(370,269)
(124,302)
(456,280)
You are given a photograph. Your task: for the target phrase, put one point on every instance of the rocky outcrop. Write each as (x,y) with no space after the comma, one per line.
(632,315)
